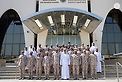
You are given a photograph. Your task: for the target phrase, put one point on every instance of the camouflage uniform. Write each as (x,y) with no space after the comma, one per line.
(93,63)
(84,66)
(56,59)
(75,62)
(30,65)
(21,64)
(46,63)
(39,60)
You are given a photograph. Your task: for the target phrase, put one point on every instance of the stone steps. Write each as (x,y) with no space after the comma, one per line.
(12,72)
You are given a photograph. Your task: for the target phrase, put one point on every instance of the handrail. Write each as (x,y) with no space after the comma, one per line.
(118,64)
(16,68)
(104,71)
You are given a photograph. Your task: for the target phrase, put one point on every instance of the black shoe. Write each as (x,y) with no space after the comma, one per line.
(62,79)
(93,78)
(40,78)
(20,78)
(84,78)
(76,79)
(45,79)
(37,78)
(54,78)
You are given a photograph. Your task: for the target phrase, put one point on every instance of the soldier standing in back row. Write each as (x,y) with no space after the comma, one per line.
(75,62)
(30,65)
(46,62)
(84,64)
(56,59)
(39,60)
(93,63)
(21,64)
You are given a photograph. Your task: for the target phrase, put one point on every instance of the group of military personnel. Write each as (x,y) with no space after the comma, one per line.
(61,60)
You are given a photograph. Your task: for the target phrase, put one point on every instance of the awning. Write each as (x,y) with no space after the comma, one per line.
(62,17)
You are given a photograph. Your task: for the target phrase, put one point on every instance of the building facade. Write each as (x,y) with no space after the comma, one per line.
(33,22)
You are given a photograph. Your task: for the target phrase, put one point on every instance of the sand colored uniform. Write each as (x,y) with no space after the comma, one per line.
(39,60)
(30,65)
(93,63)
(75,62)
(46,63)
(56,62)
(84,65)
(21,65)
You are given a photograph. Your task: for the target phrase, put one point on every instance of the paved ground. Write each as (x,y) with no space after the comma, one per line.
(60,80)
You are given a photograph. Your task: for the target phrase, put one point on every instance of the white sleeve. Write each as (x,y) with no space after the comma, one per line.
(68,59)
(100,57)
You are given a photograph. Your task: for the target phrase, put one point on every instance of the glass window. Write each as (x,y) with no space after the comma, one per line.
(104,49)
(109,28)
(16,49)
(108,20)
(119,49)
(60,39)
(4,41)
(3,50)
(9,38)
(14,40)
(22,38)
(117,37)
(111,37)
(116,28)
(112,34)
(66,39)
(22,46)
(10,29)
(17,29)
(21,30)
(54,40)
(104,37)
(111,48)
(8,49)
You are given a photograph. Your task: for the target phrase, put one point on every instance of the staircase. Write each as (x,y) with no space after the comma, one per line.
(10,71)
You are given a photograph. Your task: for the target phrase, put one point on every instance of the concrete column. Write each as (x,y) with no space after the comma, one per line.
(84,37)
(29,36)
(41,39)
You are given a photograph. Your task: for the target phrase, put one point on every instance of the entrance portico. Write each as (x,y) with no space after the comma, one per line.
(62,22)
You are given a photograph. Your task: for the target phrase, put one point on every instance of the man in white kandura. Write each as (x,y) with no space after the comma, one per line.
(65,62)
(99,60)
(93,48)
